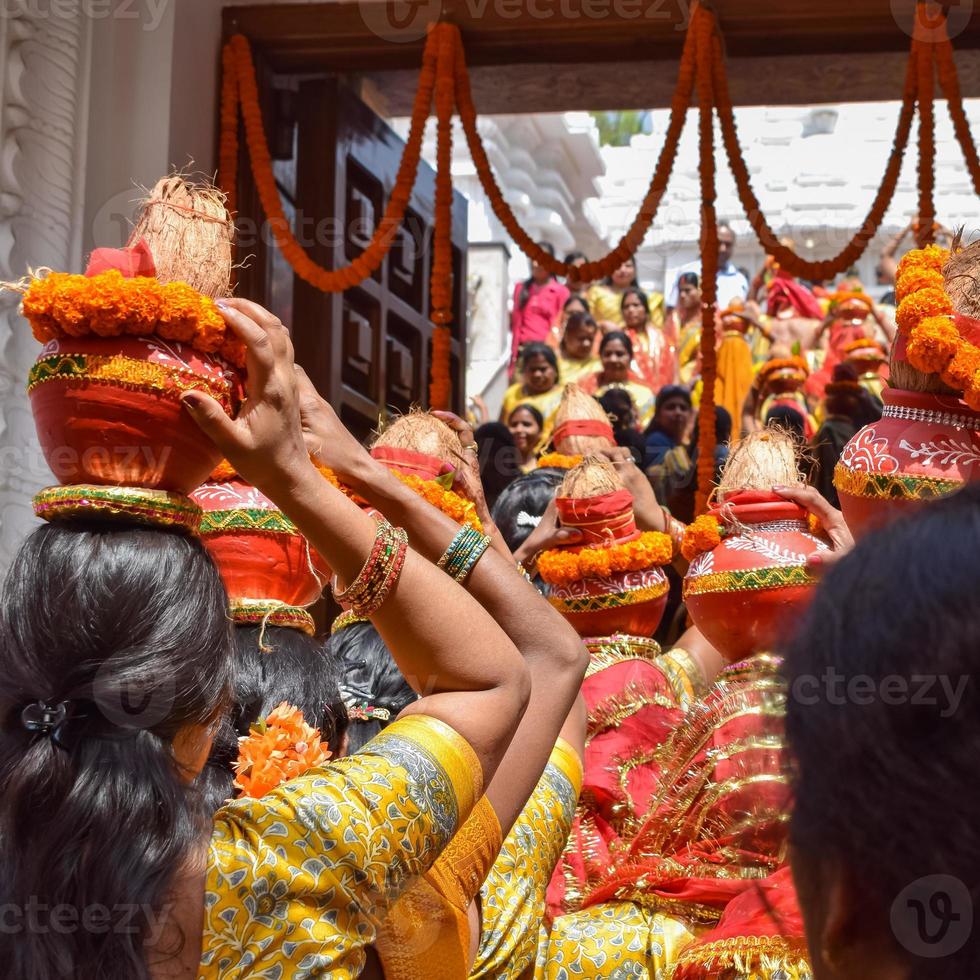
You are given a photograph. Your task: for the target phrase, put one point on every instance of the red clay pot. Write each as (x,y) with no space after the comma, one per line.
(747,594)
(259,552)
(924,447)
(601,607)
(108,411)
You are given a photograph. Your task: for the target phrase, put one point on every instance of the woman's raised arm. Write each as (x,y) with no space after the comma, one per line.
(474,678)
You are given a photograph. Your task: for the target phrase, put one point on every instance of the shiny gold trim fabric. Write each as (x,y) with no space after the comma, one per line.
(609,650)
(748,957)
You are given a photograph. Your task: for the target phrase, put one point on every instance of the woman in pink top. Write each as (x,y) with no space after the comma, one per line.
(537,303)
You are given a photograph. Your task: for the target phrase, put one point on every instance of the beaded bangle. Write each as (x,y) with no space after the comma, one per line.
(369,590)
(674,528)
(464,551)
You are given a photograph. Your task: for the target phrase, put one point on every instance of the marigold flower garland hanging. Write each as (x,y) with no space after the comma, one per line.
(238,55)
(823,269)
(950,83)
(926,229)
(703,26)
(440,387)
(633,237)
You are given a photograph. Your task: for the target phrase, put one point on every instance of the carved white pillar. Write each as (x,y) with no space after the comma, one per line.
(44,69)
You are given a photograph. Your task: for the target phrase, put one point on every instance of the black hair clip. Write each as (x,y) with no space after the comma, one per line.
(40,718)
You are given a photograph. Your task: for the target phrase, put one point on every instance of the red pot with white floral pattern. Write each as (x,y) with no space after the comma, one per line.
(746,594)
(924,447)
(626,602)
(108,411)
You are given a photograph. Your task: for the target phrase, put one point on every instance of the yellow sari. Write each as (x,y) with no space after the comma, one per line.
(606,305)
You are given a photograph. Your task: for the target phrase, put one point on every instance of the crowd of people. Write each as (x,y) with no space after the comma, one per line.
(486,765)
(811,358)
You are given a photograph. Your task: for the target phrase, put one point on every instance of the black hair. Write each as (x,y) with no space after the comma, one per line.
(538,349)
(575,298)
(639,294)
(576,320)
(618,403)
(629,258)
(689,279)
(529,495)
(788,419)
(621,336)
(294,668)
(128,627)
(883,723)
(370,677)
(530,409)
(664,395)
(500,462)
(574,256)
(525,293)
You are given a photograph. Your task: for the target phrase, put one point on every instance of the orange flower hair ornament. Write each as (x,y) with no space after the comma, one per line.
(562,566)
(277,749)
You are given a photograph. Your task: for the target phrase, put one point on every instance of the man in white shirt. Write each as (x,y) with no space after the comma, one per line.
(732,284)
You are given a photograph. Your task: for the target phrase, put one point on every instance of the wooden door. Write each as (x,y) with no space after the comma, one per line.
(368,350)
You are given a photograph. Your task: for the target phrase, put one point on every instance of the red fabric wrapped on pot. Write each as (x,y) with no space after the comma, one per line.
(108,410)
(269,569)
(606,593)
(748,591)
(924,447)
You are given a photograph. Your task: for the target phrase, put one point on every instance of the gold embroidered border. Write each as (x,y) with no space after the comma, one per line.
(156,508)
(247,519)
(612,711)
(891,486)
(750,579)
(127,372)
(746,956)
(619,648)
(270,612)
(345,619)
(613,600)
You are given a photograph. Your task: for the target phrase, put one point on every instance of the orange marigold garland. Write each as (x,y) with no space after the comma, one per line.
(933,344)
(635,234)
(440,386)
(560,461)
(703,24)
(950,84)
(562,566)
(702,534)
(63,304)
(452,504)
(794,264)
(277,749)
(238,57)
(795,363)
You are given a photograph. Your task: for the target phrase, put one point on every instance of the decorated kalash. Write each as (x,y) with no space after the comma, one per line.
(122,343)
(612,589)
(781,381)
(581,429)
(680,896)
(927,442)
(847,321)
(869,359)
